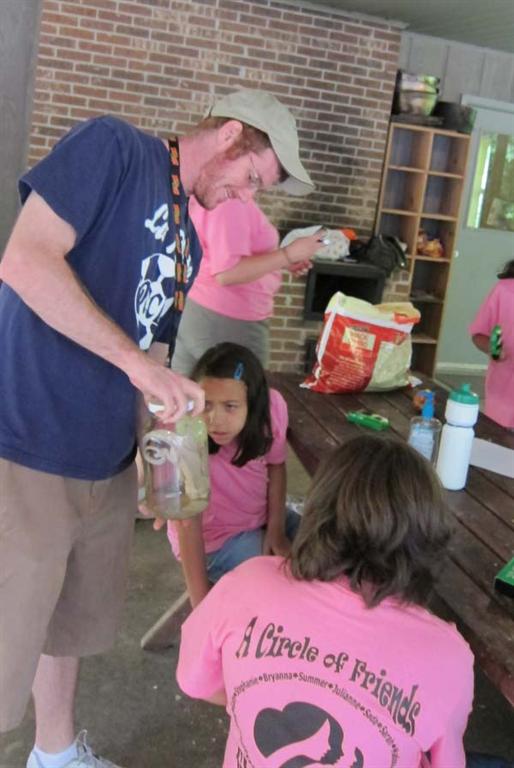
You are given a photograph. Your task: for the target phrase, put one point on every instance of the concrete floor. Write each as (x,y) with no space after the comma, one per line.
(135,714)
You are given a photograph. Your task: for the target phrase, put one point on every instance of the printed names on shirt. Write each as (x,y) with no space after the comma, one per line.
(303,730)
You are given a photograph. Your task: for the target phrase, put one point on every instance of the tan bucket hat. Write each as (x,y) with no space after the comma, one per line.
(263,111)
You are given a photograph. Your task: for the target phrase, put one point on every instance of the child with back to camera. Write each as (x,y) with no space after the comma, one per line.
(328,657)
(246,515)
(498,309)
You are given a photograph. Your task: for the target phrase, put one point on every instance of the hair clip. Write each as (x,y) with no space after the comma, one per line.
(238,373)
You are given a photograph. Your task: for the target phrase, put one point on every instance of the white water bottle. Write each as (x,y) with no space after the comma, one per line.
(457,438)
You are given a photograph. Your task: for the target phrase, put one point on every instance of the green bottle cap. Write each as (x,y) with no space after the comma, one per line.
(464,395)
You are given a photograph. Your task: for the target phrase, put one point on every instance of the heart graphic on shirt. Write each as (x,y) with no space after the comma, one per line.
(301,735)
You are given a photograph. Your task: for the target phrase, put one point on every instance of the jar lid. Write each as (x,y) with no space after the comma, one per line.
(155,407)
(464,395)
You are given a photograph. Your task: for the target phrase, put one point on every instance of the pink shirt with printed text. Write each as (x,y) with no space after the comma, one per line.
(498,309)
(230,232)
(314,678)
(239,495)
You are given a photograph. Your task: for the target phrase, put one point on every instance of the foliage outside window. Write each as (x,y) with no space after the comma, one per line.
(492,196)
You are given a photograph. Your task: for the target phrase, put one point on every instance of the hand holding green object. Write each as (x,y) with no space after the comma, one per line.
(495,342)
(370,420)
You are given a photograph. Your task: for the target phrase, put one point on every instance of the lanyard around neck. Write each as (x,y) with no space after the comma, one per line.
(180,253)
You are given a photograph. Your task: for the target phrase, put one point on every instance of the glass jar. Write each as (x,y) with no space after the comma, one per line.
(176,465)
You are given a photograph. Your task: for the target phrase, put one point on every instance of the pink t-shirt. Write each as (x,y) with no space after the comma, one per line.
(498,309)
(239,495)
(314,678)
(231,232)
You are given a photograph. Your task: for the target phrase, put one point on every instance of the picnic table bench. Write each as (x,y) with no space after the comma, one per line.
(483,514)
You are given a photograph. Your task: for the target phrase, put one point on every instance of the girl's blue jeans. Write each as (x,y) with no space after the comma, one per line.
(243,546)
(476,760)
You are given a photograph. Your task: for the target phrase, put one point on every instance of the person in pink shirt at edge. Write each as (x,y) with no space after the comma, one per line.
(328,658)
(246,515)
(498,309)
(239,275)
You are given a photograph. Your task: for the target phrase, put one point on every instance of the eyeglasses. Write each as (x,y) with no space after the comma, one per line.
(254,179)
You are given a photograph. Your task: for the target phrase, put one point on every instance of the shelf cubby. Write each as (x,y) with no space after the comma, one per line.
(449,152)
(442,228)
(404,190)
(402,226)
(428,326)
(423,356)
(410,148)
(442,196)
(431,277)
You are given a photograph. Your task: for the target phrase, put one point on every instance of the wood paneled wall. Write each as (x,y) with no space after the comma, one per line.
(462,68)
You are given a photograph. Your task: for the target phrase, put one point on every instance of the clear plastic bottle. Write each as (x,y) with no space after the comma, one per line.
(457,437)
(425,430)
(176,468)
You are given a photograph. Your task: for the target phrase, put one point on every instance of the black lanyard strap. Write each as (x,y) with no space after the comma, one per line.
(179,222)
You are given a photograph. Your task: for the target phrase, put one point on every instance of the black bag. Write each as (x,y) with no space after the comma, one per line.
(383,251)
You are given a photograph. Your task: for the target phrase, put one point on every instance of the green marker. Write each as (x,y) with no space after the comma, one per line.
(495,342)
(370,420)
(504,579)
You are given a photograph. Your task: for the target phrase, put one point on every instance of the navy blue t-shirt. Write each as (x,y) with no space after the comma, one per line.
(64,410)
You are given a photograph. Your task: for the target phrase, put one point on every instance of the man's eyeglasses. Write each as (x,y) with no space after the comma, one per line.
(254,179)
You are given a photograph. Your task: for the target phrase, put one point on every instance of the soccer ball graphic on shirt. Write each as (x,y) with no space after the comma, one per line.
(154,294)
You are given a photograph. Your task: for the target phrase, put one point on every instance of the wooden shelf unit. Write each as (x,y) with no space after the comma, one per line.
(422,185)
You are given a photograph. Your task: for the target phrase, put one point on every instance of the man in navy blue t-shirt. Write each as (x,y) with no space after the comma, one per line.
(87,306)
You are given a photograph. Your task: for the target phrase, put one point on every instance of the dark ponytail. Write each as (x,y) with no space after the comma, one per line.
(507,271)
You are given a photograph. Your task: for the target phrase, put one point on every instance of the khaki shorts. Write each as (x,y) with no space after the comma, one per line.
(64,553)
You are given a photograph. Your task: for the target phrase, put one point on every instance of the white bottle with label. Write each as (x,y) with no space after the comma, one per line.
(457,438)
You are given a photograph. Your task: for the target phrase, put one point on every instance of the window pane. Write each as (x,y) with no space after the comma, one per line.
(492,196)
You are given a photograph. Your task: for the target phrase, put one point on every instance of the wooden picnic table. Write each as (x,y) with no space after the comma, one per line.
(483,514)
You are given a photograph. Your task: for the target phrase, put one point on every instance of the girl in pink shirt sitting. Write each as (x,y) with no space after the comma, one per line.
(329,658)
(246,515)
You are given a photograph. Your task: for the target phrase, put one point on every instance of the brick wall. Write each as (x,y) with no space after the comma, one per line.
(160,63)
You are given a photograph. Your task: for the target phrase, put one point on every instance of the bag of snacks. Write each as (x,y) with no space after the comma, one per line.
(363,346)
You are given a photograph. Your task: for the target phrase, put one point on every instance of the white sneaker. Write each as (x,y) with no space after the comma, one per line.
(85,758)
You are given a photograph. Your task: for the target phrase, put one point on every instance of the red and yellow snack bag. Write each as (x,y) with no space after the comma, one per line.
(363,346)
